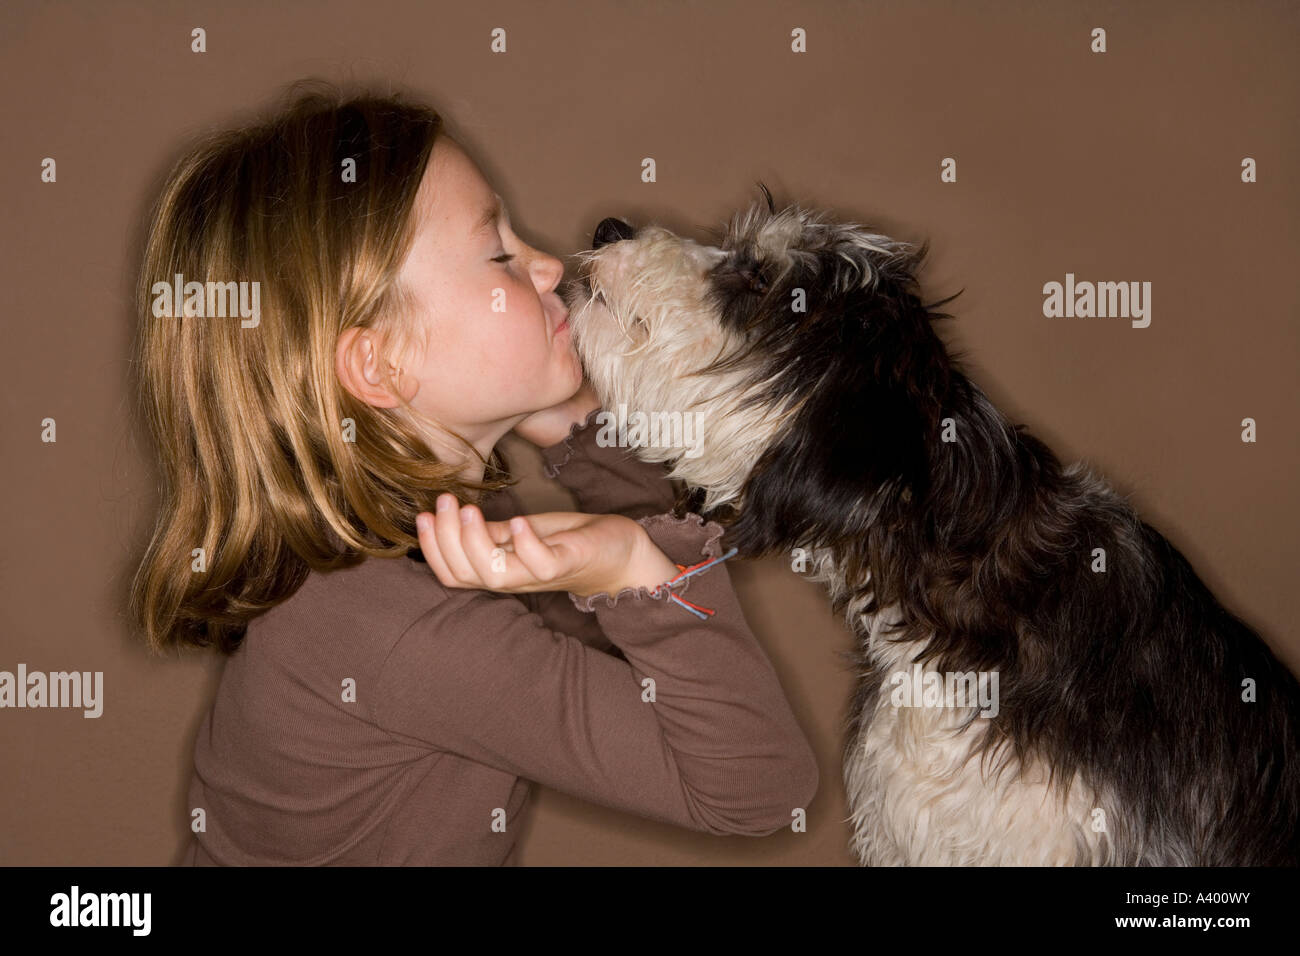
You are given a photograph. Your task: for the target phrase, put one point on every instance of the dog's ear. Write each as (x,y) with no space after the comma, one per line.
(858,447)
(822,478)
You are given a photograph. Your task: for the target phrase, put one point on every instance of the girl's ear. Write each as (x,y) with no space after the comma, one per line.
(359,362)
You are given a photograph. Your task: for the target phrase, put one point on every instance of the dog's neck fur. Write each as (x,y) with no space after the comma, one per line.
(964,555)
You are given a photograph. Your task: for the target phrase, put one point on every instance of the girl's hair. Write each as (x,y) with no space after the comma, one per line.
(261,467)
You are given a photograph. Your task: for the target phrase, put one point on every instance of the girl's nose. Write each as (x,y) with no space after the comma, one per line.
(611,230)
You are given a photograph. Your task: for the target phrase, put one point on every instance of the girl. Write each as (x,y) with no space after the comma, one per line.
(374,709)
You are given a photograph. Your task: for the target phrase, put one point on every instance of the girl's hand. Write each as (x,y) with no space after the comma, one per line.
(552,551)
(551,425)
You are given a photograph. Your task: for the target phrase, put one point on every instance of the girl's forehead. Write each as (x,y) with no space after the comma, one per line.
(454,195)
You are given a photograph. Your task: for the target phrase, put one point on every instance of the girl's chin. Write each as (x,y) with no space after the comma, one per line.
(575,365)
(565,382)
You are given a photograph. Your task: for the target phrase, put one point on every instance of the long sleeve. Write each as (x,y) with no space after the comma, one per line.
(555,607)
(692,728)
(606,479)
(603,479)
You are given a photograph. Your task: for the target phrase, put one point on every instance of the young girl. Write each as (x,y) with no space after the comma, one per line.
(376,709)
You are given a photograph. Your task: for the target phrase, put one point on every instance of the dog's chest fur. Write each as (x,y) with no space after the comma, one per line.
(916,795)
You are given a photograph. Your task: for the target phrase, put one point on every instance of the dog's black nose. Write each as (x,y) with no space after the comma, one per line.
(611,230)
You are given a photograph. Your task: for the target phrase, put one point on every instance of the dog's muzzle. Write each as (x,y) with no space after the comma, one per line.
(610,230)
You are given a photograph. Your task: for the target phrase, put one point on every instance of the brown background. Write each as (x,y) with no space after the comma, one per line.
(1122,166)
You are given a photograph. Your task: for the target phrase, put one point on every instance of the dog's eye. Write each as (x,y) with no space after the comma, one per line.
(750,272)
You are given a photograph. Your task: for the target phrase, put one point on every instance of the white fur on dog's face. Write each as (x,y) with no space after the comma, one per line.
(644,330)
(655,311)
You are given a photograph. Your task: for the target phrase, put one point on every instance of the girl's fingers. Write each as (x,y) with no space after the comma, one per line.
(447,527)
(537,556)
(425,530)
(546,523)
(490,561)
(521,554)
(499,532)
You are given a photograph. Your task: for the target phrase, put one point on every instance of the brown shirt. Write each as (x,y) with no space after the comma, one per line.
(376,717)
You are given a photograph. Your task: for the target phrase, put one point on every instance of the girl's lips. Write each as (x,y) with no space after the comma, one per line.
(562,326)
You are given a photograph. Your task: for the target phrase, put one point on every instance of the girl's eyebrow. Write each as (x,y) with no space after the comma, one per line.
(489,216)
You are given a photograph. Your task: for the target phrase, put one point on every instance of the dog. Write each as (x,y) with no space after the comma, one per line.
(1136,721)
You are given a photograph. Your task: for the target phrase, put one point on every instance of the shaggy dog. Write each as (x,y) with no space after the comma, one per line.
(1043,677)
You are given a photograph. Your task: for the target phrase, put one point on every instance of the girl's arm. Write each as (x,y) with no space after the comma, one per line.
(606,479)
(692,728)
(603,480)
(554,607)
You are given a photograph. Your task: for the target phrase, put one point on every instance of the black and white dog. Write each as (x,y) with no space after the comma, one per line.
(1044,678)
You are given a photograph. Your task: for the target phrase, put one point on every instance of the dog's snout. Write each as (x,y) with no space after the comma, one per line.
(611,230)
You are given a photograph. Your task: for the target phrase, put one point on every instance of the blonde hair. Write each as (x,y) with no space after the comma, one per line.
(249,422)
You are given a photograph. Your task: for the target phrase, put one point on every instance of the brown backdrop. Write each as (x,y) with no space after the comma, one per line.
(1121,166)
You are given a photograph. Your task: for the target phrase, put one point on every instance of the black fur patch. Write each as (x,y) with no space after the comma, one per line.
(1131,678)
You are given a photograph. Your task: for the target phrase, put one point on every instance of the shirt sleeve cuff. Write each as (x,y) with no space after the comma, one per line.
(555,457)
(687,541)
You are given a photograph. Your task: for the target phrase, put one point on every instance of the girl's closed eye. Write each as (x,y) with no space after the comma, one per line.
(504,257)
